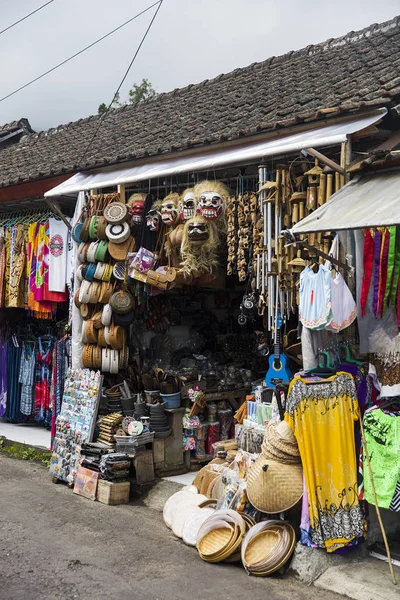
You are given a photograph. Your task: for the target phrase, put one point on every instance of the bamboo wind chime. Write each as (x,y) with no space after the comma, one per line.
(280,206)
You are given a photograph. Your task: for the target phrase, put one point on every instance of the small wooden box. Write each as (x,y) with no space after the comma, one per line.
(109,492)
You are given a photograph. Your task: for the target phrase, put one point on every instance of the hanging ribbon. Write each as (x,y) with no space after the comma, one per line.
(390,267)
(383,269)
(377,264)
(368,262)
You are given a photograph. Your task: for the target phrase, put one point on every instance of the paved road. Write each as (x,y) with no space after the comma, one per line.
(55,545)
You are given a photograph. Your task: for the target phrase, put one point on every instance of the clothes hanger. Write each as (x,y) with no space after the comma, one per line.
(348,358)
(323,369)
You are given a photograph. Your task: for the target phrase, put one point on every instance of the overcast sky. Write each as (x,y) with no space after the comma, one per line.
(191,40)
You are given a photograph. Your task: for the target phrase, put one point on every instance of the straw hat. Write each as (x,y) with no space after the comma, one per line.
(272,486)
(280,444)
(120,251)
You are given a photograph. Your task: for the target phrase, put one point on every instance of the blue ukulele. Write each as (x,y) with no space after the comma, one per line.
(278,367)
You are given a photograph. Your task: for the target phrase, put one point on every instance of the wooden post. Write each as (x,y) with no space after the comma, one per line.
(343,154)
(121,191)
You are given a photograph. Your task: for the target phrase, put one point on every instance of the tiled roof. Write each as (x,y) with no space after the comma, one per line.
(14,126)
(358,70)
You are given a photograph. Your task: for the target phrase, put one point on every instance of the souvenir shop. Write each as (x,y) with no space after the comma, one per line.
(211,328)
(34,307)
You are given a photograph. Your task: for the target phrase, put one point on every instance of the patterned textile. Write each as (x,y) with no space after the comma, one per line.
(41,310)
(26,378)
(3,378)
(61,364)
(43,374)
(322,415)
(2,266)
(382,434)
(395,503)
(15,295)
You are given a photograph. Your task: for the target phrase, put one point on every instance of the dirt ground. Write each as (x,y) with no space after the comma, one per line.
(55,545)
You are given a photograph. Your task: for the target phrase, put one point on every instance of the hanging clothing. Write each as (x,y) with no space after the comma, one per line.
(322,417)
(58,247)
(26,378)
(61,364)
(43,374)
(3,379)
(382,434)
(12,412)
(344,308)
(315,307)
(2,266)
(41,310)
(15,295)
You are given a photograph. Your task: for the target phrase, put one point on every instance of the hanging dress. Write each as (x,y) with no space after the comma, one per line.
(3,378)
(321,416)
(43,383)
(2,266)
(344,308)
(12,412)
(315,307)
(15,296)
(27,378)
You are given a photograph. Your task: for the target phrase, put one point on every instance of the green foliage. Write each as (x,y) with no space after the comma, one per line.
(144,91)
(137,93)
(26,453)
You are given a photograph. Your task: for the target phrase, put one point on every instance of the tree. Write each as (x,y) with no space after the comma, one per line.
(137,93)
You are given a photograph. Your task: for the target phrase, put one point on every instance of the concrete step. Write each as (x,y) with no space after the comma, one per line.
(368,579)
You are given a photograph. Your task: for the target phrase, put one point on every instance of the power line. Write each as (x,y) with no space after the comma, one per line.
(104,116)
(80,52)
(23,18)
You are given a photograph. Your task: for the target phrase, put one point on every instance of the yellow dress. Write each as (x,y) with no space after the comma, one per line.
(322,415)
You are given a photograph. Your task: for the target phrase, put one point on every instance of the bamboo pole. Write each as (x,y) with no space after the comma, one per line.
(329,186)
(322,189)
(376,503)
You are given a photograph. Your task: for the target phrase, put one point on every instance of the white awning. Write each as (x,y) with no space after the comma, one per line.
(281,145)
(369,201)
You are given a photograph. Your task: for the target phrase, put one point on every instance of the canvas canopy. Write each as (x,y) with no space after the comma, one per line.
(280,145)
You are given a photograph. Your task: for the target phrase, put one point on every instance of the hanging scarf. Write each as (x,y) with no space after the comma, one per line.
(390,267)
(383,270)
(368,263)
(377,264)
(393,294)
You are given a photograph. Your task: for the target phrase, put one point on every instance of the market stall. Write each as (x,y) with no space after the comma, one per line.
(35,266)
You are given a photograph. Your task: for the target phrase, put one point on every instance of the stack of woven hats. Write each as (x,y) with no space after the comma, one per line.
(105,241)
(275,481)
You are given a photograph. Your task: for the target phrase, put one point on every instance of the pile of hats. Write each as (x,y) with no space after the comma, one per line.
(159,420)
(180,507)
(275,481)
(267,547)
(105,241)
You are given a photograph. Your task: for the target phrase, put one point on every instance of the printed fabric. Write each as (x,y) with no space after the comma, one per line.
(315,307)
(43,374)
(15,295)
(26,378)
(2,266)
(382,434)
(321,416)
